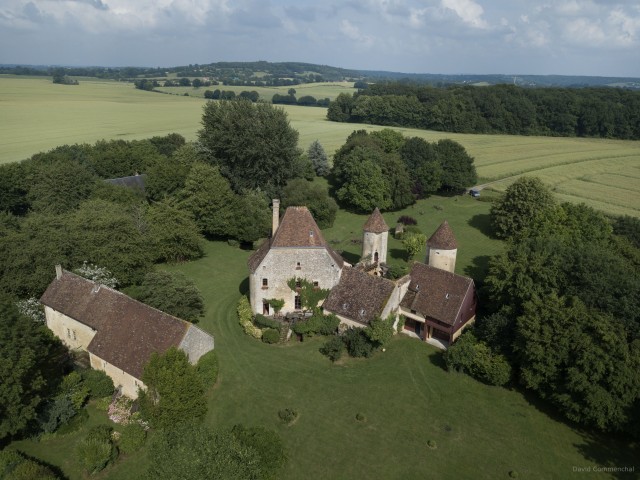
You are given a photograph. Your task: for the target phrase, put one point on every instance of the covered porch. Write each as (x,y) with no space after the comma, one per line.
(419,327)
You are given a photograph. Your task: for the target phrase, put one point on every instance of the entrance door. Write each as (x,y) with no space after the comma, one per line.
(265,308)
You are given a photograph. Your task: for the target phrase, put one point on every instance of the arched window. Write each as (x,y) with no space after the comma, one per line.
(375,257)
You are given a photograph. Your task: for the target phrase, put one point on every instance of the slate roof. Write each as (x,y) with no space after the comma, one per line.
(297,229)
(436,293)
(375,223)
(359,296)
(443,238)
(136,182)
(128,331)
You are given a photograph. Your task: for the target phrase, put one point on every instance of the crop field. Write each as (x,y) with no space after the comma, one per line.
(38,115)
(318,90)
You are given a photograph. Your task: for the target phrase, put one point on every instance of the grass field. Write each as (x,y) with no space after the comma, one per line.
(406,396)
(318,90)
(38,115)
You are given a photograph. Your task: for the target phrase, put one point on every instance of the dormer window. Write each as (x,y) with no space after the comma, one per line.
(417,286)
(362,312)
(311,233)
(344,306)
(447,296)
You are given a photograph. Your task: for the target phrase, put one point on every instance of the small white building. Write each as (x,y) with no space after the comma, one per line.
(119,333)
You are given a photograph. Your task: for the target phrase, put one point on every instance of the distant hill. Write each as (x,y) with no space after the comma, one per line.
(263,73)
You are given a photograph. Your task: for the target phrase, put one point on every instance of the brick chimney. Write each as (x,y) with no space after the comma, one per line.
(275,221)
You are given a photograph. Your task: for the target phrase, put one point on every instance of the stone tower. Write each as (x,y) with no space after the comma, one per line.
(374,241)
(442,248)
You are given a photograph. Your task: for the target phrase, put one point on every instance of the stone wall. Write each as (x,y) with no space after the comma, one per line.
(127,383)
(73,334)
(281,264)
(442,259)
(374,242)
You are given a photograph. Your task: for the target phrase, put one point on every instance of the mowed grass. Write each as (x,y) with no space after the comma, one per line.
(38,116)
(406,396)
(404,393)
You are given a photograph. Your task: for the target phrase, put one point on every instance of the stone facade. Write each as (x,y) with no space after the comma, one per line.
(296,250)
(75,335)
(442,258)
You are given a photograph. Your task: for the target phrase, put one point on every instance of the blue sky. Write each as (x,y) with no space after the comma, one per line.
(573,37)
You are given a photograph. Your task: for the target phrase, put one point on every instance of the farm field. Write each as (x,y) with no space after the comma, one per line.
(318,90)
(405,395)
(38,115)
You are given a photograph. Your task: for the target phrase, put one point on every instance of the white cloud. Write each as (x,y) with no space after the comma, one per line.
(352,32)
(468,11)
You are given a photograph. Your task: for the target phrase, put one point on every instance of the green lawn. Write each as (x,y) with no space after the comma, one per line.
(406,396)
(38,116)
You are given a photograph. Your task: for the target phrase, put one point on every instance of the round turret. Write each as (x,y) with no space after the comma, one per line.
(442,248)
(375,238)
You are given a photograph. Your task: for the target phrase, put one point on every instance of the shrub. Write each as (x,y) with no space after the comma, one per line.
(132,438)
(265,322)
(99,383)
(57,412)
(15,466)
(407,220)
(358,344)
(432,444)
(271,335)
(333,348)
(412,229)
(360,417)
(103,403)
(396,271)
(245,317)
(267,444)
(207,368)
(96,450)
(318,323)
(75,423)
(73,387)
(476,359)
(287,415)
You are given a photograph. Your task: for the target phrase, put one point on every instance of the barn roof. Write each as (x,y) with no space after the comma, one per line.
(443,238)
(135,182)
(375,223)
(297,229)
(127,331)
(436,293)
(359,296)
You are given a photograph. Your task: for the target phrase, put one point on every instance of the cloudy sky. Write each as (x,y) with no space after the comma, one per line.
(570,37)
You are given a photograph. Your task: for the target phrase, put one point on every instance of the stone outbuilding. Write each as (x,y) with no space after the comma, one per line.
(119,333)
(361,297)
(296,249)
(375,237)
(438,304)
(442,248)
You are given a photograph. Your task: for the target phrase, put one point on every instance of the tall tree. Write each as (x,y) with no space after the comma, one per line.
(300,192)
(319,159)
(172,293)
(458,170)
(523,202)
(208,198)
(174,391)
(253,144)
(31,366)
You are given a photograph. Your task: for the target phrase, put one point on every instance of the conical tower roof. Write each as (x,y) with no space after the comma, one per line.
(443,238)
(375,223)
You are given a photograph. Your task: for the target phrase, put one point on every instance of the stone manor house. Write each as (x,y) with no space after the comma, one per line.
(435,302)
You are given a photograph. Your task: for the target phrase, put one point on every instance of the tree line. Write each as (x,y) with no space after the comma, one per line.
(562,310)
(584,112)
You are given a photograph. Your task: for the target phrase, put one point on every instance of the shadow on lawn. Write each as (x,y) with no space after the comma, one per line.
(482,222)
(620,455)
(478,269)
(437,359)
(243,288)
(399,253)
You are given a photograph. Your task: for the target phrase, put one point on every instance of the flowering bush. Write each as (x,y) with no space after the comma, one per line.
(98,274)
(31,308)
(120,410)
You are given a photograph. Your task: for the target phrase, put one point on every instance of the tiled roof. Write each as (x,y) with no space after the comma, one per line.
(443,238)
(359,296)
(128,331)
(436,293)
(134,181)
(375,223)
(297,229)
